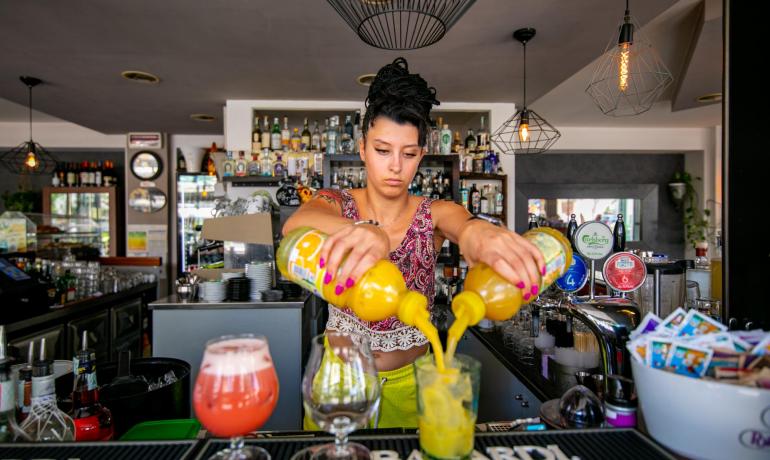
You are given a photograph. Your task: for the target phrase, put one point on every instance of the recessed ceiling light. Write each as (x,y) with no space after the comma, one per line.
(366,79)
(711,97)
(140,76)
(202,117)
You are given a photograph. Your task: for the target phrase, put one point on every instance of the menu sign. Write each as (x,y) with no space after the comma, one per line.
(624,271)
(593,240)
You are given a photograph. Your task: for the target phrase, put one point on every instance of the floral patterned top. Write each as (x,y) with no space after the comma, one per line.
(416,258)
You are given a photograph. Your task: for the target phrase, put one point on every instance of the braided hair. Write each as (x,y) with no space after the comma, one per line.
(402,97)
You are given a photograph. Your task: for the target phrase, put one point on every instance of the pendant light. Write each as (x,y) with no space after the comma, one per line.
(525,132)
(29,157)
(630,76)
(401,24)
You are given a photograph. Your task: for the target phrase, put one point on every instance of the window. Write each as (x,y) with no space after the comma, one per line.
(557,212)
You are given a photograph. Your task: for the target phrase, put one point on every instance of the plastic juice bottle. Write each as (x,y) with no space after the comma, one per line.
(379,294)
(484,290)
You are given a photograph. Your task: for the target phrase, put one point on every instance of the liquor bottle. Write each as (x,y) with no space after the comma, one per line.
(362,177)
(266,134)
(62,175)
(499,201)
(278,167)
(295,141)
(253,168)
(315,139)
(306,139)
(532,222)
(475,200)
(106,178)
(464,195)
(92,174)
(181,165)
(572,227)
(9,430)
(447,195)
(357,130)
(290,163)
(484,201)
(55,178)
(482,138)
(470,142)
(266,162)
(619,235)
(84,174)
(332,136)
(241,164)
(445,141)
(71,181)
(24,386)
(457,145)
(285,134)
(207,163)
(256,136)
(46,422)
(346,137)
(438,190)
(324,135)
(491,199)
(275,135)
(93,422)
(228,166)
(99,174)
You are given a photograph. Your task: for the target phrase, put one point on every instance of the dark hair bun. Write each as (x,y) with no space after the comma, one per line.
(401,96)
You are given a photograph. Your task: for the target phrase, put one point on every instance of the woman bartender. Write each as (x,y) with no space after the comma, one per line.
(383,221)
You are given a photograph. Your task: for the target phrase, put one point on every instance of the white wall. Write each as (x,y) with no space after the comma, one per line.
(58,135)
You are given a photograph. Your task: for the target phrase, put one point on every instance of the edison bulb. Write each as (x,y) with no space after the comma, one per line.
(624,65)
(31,160)
(524,132)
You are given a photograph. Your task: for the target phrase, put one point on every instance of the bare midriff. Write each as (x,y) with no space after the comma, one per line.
(390,360)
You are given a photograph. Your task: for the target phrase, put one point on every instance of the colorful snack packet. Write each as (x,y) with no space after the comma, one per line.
(723,341)
(696,323)
(689,360)
(672,321)
(752,337)
(763,347)
(649,323)
(657,352)
(638,349)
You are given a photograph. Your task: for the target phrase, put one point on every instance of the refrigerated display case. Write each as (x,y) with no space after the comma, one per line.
(195,202)
(99,204)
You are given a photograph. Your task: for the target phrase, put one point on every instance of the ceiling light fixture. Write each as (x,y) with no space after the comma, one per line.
(630,76)
(140,76)
(29,157)
(525,132)
(202,117)
(366,79)
(401,24)
(708,98)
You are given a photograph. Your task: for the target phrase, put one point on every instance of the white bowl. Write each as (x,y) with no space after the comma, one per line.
(704,418)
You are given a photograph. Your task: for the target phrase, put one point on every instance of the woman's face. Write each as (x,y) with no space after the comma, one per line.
(392,153)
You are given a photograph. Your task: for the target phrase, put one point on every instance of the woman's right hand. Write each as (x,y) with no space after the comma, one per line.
(359,246)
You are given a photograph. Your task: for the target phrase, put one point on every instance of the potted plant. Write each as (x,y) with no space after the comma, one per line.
(696,222)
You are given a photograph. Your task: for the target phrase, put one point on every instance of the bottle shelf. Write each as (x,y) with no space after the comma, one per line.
(248,181)
(482,176)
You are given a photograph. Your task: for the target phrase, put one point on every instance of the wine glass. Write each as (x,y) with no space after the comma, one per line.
(341,391)
(236,392)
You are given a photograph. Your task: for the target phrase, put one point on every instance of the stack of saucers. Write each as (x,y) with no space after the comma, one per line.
(239,289)
(212,291)
(272,295)
(261,276)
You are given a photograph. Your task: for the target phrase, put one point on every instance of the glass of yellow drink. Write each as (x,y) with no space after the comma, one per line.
(447,404)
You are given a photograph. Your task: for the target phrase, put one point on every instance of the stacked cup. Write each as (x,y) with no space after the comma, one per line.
(261,276)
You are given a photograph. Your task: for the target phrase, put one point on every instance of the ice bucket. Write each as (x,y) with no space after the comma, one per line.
(704,419)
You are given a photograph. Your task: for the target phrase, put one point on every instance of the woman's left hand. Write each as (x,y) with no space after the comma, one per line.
(509,254)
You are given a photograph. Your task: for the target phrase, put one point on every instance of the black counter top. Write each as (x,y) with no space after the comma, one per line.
(25,319)
(528,374)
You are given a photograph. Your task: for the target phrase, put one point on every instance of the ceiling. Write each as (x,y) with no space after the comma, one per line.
(208,51)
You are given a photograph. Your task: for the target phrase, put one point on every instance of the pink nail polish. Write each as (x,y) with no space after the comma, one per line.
(338,290)
(520,285)
(527,296)
(542,270)
(327,278)
(349,283)
(534,290)
(321,262)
